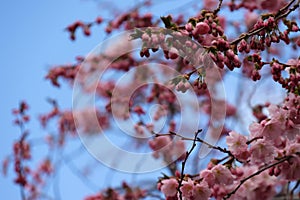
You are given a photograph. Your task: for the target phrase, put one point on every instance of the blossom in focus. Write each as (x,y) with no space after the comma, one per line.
(201,191)
(262,152)
(236,143)
(169,187)
(208,176)
(187,189)
(222,174)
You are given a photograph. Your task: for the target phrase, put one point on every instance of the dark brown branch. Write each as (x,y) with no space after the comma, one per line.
(289,11)
(253,139)
(224,150)
(285,7)
(188,153)
(218,8)
(293,190)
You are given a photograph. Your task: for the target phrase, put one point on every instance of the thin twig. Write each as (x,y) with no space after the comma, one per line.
(224,150)
(218,8)
(253,139)
(23,136)
(285,7)
(184,162)
(289,11)
(293,190)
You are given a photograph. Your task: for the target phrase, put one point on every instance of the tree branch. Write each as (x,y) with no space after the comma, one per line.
(278,15)
(218,8)
(257,173)
(224,150)
(184,162)
(293,190)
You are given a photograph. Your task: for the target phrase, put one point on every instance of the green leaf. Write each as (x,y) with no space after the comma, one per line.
(136,34)
(168,21)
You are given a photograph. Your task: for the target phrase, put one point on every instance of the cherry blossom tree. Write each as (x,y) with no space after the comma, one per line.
(205,100)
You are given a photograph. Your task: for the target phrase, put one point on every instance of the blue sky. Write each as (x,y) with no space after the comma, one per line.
(32,39)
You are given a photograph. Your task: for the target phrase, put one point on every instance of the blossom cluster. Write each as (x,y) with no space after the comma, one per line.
(31,180)
(127,192)
(270,154)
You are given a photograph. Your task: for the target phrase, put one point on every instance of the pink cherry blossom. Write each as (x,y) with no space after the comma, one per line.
(236,143)
(259,187)
(159,142)
(208,176)
(169,187)
(197,47)
(178,150)
(273,130)
(193,190)
(277,114)
(201,191)
(210,4)
(222,174)
(262,151)
(290,169)
(250,19)
(90,121)
(187,189)
(271,5)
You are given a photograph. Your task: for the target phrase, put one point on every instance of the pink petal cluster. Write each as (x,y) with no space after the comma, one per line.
(261,186)
(169,150)
(208,177)
(169,187)
(237,145)
(222,175)
(219,174)
(262,152)
(201,191)
(192,190)
(158,143)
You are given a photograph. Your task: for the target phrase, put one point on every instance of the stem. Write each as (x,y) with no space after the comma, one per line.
(200,140)
(293,190)
(22,193)
(184,162)
(214,147)
(289,11)
(253,139)
(285,7)
(23,136)
(218,8)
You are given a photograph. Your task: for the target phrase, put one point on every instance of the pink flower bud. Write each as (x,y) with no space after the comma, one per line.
(201,28)
(189,27)
(173,53)
(295,28)
(99,20)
